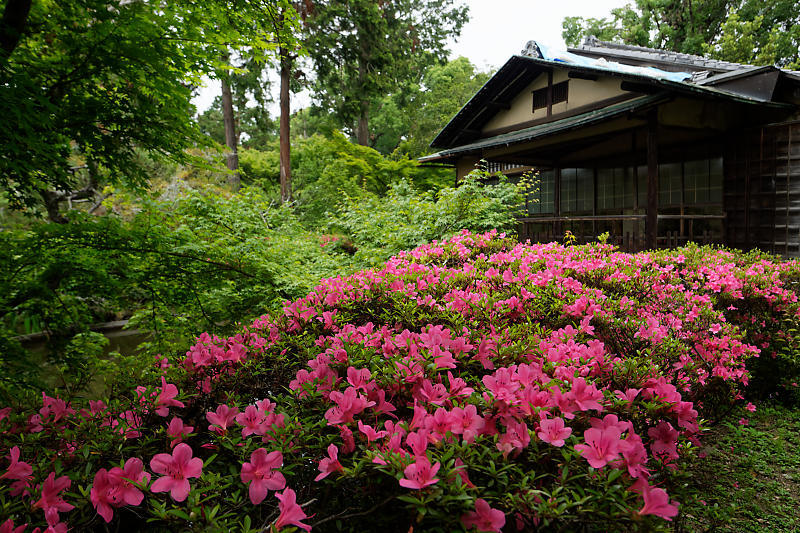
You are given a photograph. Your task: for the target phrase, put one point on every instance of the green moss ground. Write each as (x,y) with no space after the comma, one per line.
(750,477)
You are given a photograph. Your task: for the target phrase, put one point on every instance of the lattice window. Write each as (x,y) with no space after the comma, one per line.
(560,92)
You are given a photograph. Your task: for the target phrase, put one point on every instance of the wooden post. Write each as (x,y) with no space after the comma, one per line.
(651,226)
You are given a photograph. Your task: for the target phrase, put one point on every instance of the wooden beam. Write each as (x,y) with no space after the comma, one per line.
(651,225)
(582,75)
(643,88)
(549,93)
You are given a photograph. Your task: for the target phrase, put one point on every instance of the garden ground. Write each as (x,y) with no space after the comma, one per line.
(750,478)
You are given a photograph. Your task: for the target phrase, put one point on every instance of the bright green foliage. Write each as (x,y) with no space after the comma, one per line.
(363,50)
(445,90)
(411,119)
(326,169)
(768,36)
(746,31)
(405,219)
(575,29)
(99,80)
(201,261)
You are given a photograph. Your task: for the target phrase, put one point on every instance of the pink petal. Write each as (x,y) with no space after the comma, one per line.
(180,490)
(258,491)
(162,484)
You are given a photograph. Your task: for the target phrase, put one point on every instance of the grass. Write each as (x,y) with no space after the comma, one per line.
(749,479)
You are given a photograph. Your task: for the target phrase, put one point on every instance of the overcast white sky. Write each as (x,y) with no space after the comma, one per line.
(497,30)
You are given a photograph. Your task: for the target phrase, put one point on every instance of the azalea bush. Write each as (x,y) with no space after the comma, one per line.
(474,384)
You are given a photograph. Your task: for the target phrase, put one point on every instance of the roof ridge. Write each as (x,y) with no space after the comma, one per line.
(593,42)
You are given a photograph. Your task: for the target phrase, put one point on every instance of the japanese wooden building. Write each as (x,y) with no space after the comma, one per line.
(657,148)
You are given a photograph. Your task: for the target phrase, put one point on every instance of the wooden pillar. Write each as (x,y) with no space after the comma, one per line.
(651,227)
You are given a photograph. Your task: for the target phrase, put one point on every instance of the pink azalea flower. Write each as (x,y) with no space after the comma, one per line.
(177,469)
(265,406)
(656,502)
(634,455)
(370,432)
(585,396)
(602,446)
(359,378)
(4,412)
(330,464)
(553,431)
(348,404)
(51,502)
(131,472)
(461,471)
(260,475)
(56,407)
(8,527)
(665,440)
(629,395)
(750,407)
(382,406)
(349,443)
(222,419)
(418,442)
(420,474)
(515,438)
(253,421)
(291,513)
(467,422)
(17,469)
(97,407)
(103,495)
(177,430)
(166,398)
(484,518)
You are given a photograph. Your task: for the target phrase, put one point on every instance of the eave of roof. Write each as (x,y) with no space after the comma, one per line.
(552,128)
(736,74)
(485,94)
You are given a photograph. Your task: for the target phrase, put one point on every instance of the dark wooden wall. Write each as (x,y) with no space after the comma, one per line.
(762,189)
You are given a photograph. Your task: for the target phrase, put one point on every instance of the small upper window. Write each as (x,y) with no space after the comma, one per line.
(558,93)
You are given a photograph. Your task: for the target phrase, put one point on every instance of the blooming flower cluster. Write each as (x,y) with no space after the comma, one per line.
(460,373)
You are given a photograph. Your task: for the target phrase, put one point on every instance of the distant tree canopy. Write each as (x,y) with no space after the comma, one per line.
(745,31)
(363,50)
(409,119)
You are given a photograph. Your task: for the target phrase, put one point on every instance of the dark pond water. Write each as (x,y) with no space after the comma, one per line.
(121,341)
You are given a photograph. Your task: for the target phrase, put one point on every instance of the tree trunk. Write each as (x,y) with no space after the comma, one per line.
(362,128)
(232,159)
(52,199)
(285,146)
(52,203)
(15,18)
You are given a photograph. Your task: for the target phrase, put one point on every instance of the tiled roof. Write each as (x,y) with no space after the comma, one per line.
(593,46)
